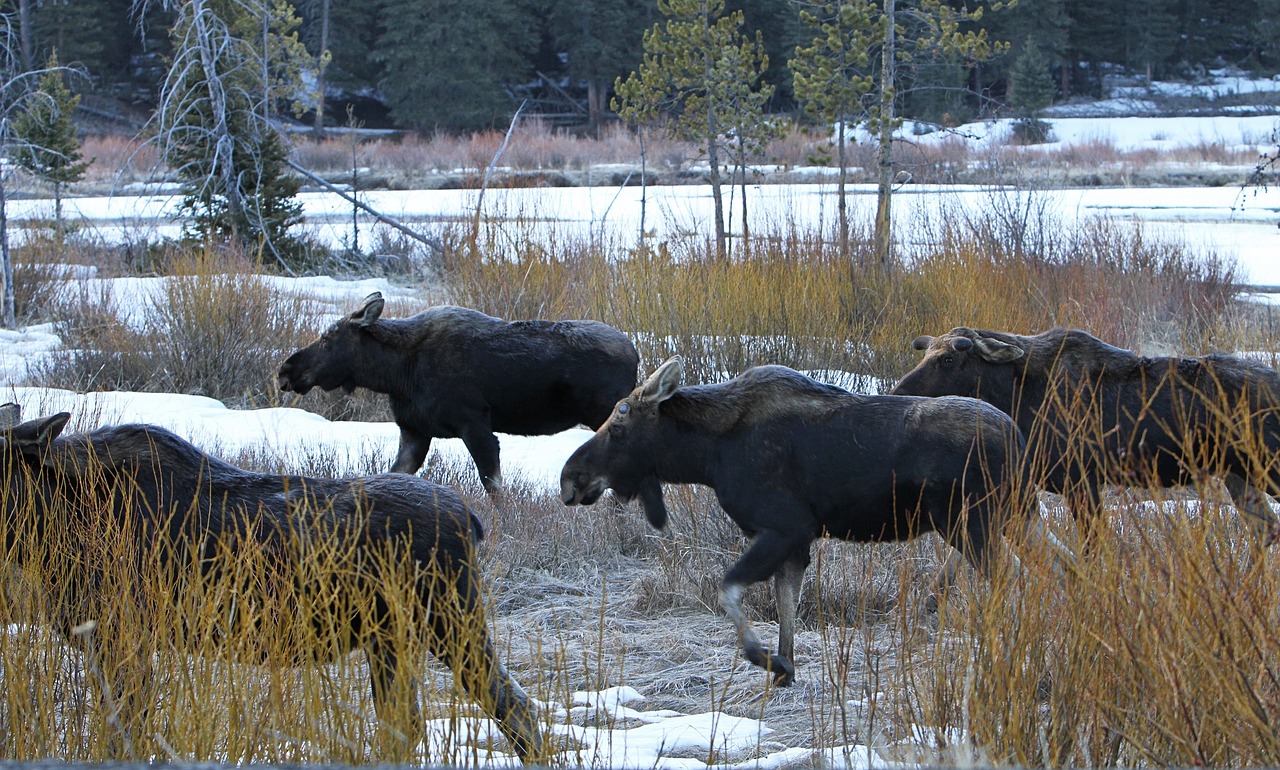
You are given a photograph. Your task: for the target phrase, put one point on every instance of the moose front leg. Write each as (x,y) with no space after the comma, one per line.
(769,553)
(412,453)
(395,700)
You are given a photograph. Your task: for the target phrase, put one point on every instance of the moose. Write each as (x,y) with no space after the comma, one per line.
(184,512)
(1097,415)
(790,460)
(451,372)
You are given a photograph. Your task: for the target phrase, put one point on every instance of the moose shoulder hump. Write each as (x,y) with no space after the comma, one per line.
(758,395)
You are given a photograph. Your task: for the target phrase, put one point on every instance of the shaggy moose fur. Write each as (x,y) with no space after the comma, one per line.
(1095,414)
(792,460)
(456,373)
(184,510)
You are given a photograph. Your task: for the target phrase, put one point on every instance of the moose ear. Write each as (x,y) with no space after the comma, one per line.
(10,415)
(373,305)
(33,439)
(664,381)
(997,352)
(51,427)
(922,342)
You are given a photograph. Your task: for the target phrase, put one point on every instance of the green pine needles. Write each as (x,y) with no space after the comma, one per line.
(47,145)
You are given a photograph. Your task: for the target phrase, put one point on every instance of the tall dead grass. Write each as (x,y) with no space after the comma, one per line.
(123,643)
(1160,648)
(213,327)
(791,298)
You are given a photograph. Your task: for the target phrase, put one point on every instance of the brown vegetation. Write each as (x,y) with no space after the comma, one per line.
(540,155)
(1160,648)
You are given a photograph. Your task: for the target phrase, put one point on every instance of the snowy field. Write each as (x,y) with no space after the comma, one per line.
(660,739)
(1236,223)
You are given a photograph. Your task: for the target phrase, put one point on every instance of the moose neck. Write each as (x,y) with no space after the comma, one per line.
(686,444)
(384,366)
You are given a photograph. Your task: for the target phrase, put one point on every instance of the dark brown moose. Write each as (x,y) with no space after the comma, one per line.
(791,460)
(451,372)
(183,511)
(1095,415)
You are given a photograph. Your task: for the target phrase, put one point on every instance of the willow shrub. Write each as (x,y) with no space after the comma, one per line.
(790,297)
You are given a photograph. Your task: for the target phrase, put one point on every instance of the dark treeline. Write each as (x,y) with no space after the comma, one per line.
(458,65)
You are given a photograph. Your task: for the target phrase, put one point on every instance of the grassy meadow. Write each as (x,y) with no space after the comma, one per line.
(1159,648)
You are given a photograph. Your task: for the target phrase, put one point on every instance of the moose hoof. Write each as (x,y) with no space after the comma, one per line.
(784,674)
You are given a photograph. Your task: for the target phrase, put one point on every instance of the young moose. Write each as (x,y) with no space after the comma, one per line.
(791,460)
(186,514)
(451,372)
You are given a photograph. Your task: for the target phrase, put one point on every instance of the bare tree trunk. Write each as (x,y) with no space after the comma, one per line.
(746,230)
(26,49)
(713,159)
(644,181)
(320,82)
(842,188)
(884,191)
(596,90)
(488,174)
(717,194)
(7,311)
(435,244)
(224,141)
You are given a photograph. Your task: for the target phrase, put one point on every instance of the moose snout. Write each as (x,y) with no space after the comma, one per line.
(288,378)
(580,490)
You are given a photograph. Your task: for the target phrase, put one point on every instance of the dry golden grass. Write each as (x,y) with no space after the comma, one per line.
(122,642)
(791,298)
(1161,648)
(215,328)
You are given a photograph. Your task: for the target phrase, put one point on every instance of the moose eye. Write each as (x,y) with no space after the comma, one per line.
(948,360)
(624,408)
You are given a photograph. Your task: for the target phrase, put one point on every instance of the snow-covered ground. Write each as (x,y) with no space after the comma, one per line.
(641,740)
(1237,222)
(1234,222)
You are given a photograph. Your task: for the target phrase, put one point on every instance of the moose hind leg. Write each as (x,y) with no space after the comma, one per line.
(476,667)
(787,583)
(483,446)
(1254,509)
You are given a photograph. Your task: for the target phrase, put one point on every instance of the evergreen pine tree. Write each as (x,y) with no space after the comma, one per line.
(78,31)
(937,31)
(216,129)
(833,78)
(1151,33)
(702,76)
(48,146)
(780,26)
(1046,21)
(1096,37)
(445,62)
(353,37)
(599,38)
(1266,33)
(1031,89)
